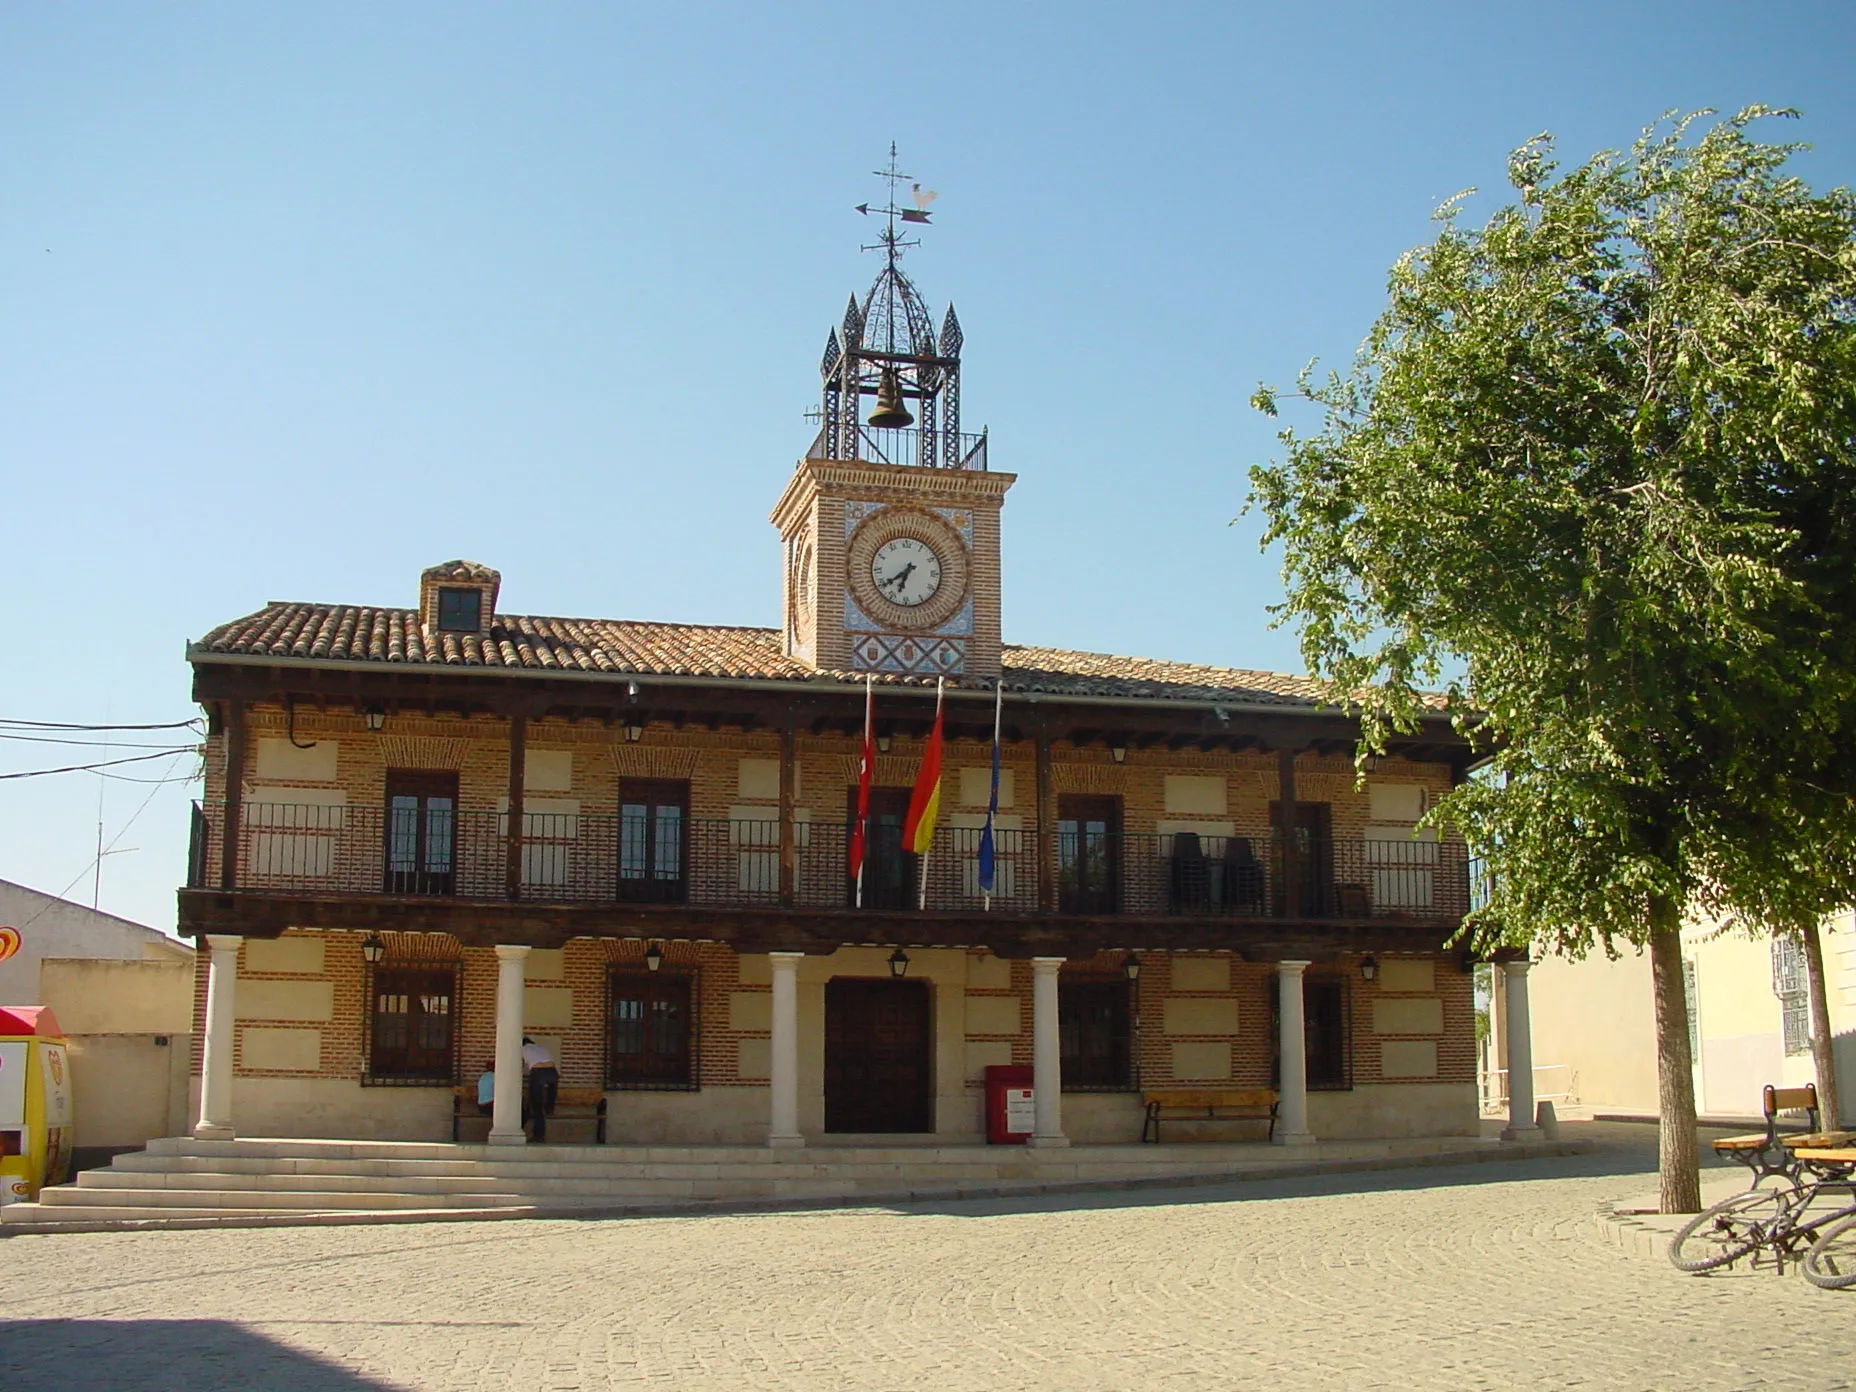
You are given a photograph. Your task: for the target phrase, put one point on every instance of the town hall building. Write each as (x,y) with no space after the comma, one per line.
(433,827)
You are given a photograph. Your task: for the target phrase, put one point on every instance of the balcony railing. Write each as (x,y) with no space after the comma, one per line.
(915,447)
(605,858)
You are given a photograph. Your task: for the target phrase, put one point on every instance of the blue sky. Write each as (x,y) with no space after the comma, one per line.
(297,299)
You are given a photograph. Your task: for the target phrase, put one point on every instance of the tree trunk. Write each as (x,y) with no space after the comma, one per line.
(1823,1058)
(1678,1149)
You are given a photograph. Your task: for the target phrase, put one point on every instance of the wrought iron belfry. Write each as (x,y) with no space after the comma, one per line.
(891,334)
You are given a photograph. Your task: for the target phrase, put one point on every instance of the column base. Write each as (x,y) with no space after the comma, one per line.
(508,1137)
(1294,1138)
(786,1142)
(1523,1133)
(1048,1142)
(213,1131)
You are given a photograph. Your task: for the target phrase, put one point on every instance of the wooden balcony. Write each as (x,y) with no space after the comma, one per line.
(684,873)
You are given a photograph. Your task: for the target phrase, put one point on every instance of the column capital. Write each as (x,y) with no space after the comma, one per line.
(786,960)
(1047,966)
(1291,967)
(512,952)
(1518,968)
(225,942)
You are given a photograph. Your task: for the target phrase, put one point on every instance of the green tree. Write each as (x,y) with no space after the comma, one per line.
(1593,476)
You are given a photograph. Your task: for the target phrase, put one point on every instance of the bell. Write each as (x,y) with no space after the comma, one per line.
(890,413)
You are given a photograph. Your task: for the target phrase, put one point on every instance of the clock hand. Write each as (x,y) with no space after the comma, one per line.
(901,577)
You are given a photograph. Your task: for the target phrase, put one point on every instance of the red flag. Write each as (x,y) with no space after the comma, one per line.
(865,768)
(925,801)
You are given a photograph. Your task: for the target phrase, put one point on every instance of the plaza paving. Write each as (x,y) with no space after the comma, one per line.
(1473,1276)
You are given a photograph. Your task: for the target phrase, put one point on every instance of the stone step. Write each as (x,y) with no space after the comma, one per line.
(1195,1152)
(75,1196)
(132,1169)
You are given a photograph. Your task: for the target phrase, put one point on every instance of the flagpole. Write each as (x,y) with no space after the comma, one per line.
(992,804)
(921,903)
(862,829)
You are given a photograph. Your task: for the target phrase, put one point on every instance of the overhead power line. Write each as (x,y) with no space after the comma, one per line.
(58,725)
(107,763)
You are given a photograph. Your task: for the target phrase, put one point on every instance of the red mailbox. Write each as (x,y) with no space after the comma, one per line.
(1010,1110)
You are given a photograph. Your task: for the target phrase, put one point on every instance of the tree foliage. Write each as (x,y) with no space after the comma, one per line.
(1596,461)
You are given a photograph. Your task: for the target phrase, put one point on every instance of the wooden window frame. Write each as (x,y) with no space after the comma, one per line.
(371,1074)
(625,982)
(654,794)
(453,594)
(1120,992)
(1076,808)
(420,784)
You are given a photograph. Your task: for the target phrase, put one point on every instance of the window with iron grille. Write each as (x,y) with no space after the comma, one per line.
(651,1031)
(1788,977)
(1691,993)
(1788,984)
(411,1026)
(1795,1015)
(1093,1024)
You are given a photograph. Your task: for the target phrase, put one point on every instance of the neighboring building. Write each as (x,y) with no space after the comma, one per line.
(52,927)
(123,994)
(1749,1023)
(629,840)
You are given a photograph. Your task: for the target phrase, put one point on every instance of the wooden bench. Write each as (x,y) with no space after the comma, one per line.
(1207,1104)
(1765,1152)
(570,1104)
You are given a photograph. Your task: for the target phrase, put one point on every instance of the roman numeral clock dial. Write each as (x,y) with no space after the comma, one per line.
(906,571)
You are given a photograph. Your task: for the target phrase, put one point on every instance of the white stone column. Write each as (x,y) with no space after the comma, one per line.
(215,1123)
(1046,1054)
(506,1110)
(1292,1040)
(783,1072)
(1521,1125)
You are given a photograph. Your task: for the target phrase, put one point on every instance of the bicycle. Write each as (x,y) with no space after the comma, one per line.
(1789,1221)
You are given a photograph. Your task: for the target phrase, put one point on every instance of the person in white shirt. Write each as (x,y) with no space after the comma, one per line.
(544,1085)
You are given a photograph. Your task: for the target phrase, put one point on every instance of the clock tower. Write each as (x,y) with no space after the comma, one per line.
(890,524)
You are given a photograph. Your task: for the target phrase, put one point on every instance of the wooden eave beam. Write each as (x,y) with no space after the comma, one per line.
(482,923)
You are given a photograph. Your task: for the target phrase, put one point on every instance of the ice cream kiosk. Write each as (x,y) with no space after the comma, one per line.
(35,1102)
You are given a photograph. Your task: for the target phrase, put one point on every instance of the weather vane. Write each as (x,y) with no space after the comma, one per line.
(889,239)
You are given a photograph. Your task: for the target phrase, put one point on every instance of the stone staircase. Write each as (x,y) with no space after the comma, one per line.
(181,1182)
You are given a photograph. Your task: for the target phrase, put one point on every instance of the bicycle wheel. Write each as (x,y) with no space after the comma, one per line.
(1731,1229)
(1830,1263)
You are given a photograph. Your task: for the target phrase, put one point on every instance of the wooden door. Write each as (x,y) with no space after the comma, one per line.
(422,832)
(653,846)
(889,871)
(879,1056)
(1088,854)
(1314,859)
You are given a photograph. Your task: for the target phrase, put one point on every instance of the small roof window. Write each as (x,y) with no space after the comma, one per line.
(459,610)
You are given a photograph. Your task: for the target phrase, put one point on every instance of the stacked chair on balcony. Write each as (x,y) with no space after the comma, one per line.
(1245,887)
(1192,877)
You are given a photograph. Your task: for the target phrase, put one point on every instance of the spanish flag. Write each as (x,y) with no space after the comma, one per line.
(925,801)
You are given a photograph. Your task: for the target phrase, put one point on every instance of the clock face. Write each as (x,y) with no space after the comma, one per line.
(906,571)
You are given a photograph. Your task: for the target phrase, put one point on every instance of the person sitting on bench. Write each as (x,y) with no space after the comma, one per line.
(486,1089)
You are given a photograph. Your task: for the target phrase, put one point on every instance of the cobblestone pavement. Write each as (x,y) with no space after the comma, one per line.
(1476,1276)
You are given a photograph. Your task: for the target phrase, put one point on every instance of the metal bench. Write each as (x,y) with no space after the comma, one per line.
(570,1104)
(1207,1104)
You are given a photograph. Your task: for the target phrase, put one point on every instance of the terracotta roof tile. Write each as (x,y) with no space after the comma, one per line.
(352,633)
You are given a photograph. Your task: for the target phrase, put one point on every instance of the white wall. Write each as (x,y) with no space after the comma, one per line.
(53,927)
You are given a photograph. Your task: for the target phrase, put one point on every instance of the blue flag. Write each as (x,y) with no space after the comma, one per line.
(988,855)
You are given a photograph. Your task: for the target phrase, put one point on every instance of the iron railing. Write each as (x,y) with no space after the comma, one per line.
(916,448)
(604,858)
